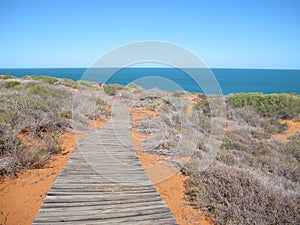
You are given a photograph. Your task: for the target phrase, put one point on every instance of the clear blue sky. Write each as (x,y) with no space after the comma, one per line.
(224,33)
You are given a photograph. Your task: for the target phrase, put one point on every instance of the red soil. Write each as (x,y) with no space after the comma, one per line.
(21,197)
(294,128)
(167,180)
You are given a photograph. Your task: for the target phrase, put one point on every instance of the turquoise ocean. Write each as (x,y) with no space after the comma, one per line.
(171,79)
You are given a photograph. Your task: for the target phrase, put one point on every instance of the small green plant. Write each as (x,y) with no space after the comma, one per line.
(112,89)
(75,85)
(66,114)
(44,157)
(201,144)
(11,84)
(100,101)
(152,107)
(233,145)
(37,89)
(293,147)
(85,83)
(132,85)
(109,89)
(66,82)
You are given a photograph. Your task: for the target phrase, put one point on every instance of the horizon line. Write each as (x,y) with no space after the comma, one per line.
(148,67)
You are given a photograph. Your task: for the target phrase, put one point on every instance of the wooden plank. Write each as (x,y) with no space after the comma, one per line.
(156,219)
(94,215)
(98,207)
(104,182)
(128,202)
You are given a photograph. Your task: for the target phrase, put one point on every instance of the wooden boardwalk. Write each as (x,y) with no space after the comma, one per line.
(105,183)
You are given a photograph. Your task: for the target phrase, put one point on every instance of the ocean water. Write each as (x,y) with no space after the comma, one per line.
(225,81)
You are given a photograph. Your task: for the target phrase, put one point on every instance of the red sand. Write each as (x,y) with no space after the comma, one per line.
(294,128)
(21,197)
(172,189)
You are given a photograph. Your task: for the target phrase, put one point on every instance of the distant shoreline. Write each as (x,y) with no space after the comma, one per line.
(231,80)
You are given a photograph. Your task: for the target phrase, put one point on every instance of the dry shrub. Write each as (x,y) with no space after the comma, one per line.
(256,180)
(179,94)
(169,133)
(41,110)
(112,89)
(258,126)
(293,147)
(234,196)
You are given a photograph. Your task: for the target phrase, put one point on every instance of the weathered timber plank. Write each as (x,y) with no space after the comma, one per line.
(104,182)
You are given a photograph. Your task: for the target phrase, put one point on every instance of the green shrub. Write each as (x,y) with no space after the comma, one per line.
(109,90)
(66,114)
(233,145)
(112,89)
(66,82)
(75,85)
(84,83)
(133,85)
(100,101)
(5,77)
(293,147)
(201,143)
(202,105)
(46,79)
(37,89)
(11,84)
(283,106)
(204,122)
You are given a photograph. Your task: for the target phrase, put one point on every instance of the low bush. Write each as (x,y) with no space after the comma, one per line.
(38,111)
(85,85)
(100,101)
(133,85)
(293,147)
(66,82)
(255,179)
(283,106)
(235,196)
(178,94)
(11,84)
(46,79)
(38,89)
(112,89)
(66,114)
(5,77)
(230,144)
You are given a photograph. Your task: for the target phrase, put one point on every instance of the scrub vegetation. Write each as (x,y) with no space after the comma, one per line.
(254,178)
(34,112)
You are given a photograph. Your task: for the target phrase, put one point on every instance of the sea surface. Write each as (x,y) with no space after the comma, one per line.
(214,81)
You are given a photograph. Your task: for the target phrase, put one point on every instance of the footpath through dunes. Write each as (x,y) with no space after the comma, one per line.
(104,182)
